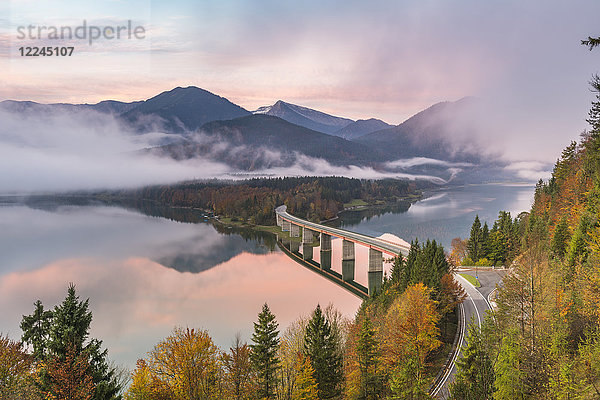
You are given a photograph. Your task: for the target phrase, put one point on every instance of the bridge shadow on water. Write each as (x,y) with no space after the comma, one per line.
(291,249)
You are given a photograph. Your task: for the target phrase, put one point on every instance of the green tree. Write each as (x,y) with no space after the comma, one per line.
(320,347)
(591,42)
(36,330)
(509,383)
(65,331)
(264,352)
(475,377)
(372,376)
(475,241)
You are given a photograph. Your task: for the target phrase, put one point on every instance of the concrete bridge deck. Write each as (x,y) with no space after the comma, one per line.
(385,246)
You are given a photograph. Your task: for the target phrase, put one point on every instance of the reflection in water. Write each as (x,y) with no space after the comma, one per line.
(136,302)
(444,216)
(108,253)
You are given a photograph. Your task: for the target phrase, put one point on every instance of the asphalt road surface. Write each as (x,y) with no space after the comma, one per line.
(473,310)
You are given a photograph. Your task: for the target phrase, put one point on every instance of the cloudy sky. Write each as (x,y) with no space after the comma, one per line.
(384,59)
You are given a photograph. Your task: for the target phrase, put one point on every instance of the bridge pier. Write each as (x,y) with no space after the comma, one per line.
(295,230)
(294,246)
(279,220)
(348,260)
(375,270)
(325,251)
(307,235)
(307,251)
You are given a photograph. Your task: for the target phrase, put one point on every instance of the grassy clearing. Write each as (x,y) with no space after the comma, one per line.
(472,280)
(356,203)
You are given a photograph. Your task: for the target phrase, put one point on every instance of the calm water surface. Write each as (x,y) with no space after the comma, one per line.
(145,275)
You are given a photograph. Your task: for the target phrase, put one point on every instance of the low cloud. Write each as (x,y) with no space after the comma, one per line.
(530,170)
(84,150)
(419,161)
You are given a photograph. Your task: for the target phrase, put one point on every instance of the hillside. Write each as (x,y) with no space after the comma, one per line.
(544,339)
(182,109)
(263,141)
(361,127)
(438,132)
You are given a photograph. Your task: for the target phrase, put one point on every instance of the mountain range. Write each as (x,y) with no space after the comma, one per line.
(203,124)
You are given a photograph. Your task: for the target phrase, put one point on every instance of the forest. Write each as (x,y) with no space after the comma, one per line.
(254,200)
(387,351)
(543,341)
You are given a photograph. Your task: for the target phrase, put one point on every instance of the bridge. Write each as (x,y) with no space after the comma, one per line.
(311,231)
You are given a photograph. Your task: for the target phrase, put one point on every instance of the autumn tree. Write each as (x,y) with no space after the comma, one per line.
(411,331)
(239,376)
(458,251)
(290,352)
(16,369)
(69,378)
(264,353)
(306,387)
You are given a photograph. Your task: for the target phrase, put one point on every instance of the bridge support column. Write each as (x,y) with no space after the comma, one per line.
(325,259)
(294,246)
(348,260)
(279,220)
(307,251)
(325,240)
(285,225)
(295,230)
(375,270)
(307,235)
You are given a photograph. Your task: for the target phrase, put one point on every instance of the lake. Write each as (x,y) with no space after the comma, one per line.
(146,274)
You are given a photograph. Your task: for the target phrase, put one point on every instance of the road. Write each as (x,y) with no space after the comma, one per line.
(473,310)
(385,246)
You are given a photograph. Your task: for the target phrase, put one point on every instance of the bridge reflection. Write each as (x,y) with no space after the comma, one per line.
(313,233)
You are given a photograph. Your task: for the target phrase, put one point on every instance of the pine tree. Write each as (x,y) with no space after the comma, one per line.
(367,349)
(485,239)
(66,330)
(264,352)
(475,240)
(320,347)
(36,330)
(475,377)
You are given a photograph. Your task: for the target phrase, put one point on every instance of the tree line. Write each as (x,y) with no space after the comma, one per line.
(387,351)
(254,200)
(543,341)
(487,247)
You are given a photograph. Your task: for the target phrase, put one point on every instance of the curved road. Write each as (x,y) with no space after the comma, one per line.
(473,310)
(382,245)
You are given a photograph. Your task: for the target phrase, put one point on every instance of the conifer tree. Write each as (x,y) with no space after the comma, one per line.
(264,352)
(475,240)
(367,349)
(63,332)
(320,347)
(475,377)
